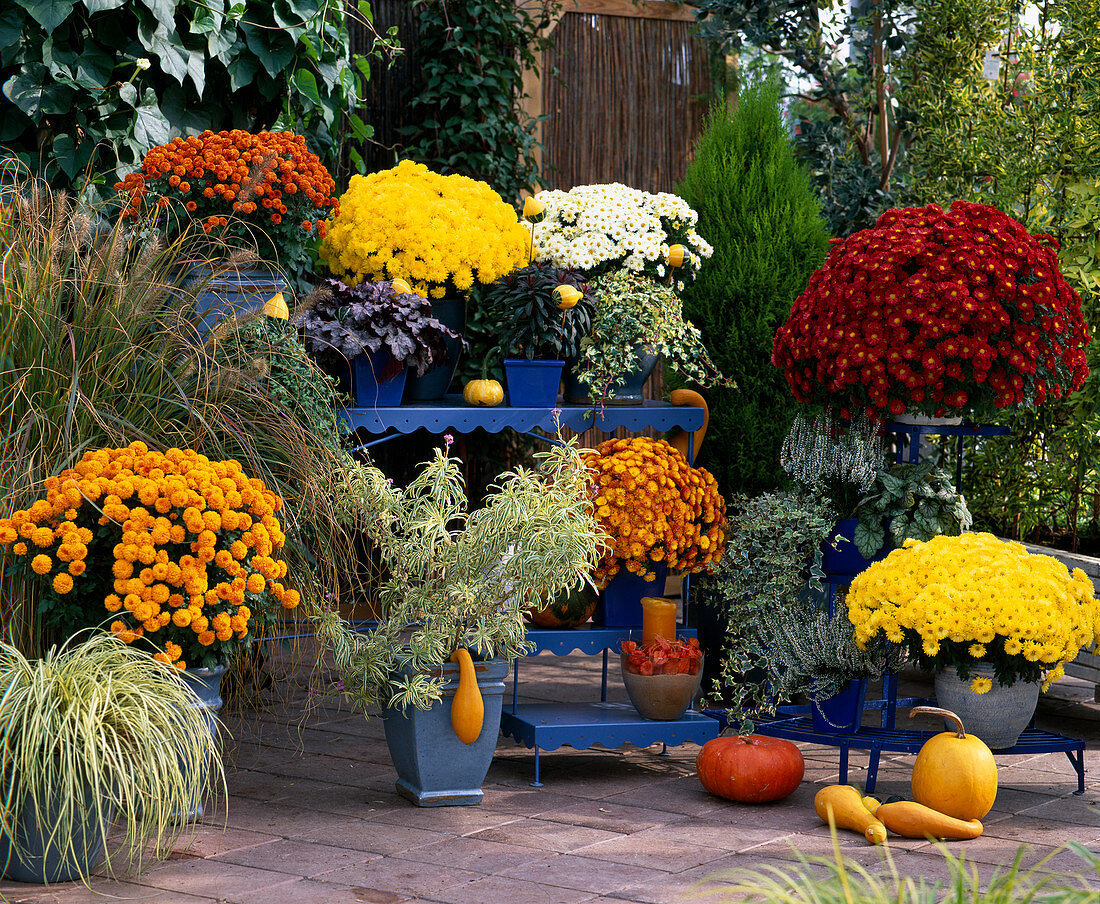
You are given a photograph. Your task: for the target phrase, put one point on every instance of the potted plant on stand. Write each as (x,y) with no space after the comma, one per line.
(171,551)
(453,606)
(658,514)
(97,736)
(540,314)
(266,190)
(881,506)
(442,234)
(636,322)
(935,313)
(608,229)
(989,619)
(379,330)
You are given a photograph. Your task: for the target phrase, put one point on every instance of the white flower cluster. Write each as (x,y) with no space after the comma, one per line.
(592,225)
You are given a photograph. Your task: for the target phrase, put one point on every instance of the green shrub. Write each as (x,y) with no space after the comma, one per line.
(757,209)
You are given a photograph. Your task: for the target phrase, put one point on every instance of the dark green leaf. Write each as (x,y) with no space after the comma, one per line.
(11,26)
(99,6)
(165,44)
(273,48)
(164,10)
(94,66)
(151,128)
(48,13)
(306,83)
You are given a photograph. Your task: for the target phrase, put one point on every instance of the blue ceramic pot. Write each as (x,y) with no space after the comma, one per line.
(436,381)
(621,600)
(38,857)
(434,768)
(231,293)
(843,557)
(842,713)
(372,392)
(206,685)
(532,384)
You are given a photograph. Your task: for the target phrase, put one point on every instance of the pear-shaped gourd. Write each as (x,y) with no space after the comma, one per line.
(954,773)
(467,708)
(276,307)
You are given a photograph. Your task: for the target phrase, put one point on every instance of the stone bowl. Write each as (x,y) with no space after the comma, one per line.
(664,698)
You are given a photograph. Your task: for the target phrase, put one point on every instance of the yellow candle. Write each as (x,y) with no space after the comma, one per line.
(658,619)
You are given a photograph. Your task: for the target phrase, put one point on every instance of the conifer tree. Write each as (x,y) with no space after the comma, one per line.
(758,210)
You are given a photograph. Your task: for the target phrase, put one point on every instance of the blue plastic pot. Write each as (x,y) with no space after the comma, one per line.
(621,600)
(843,712)
(843,556)
(532,384)
(434,768)
(36,857)
(231,293)
(436,381)
(631,392)
(372,392)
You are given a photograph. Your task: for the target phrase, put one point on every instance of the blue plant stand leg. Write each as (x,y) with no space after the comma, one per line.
(843,763)
(1077,759)
(536,783)
(664,750)
(872,768)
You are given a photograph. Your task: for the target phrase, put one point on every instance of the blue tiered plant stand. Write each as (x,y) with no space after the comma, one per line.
(549,726)
(794,722)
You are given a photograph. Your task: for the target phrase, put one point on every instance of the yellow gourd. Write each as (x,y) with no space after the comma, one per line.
(679,440)
(872,804)
(955,773)
(842,806)
(913,820)
(483,393)
(276,307)
(467,708)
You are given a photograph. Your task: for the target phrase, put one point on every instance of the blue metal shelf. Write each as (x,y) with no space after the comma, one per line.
(588,638)
(451,413)
(909,740)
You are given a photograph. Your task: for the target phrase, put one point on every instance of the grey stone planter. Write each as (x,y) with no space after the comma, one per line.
(434,768)
(997,716)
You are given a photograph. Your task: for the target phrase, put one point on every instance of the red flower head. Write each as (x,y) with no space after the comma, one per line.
(936,311)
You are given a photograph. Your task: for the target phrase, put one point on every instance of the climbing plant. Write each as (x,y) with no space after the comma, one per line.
(91,85)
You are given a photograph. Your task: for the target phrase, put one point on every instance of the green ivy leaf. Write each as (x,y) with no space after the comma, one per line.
(35,93)
(306,84)
(242,70)
(165,44)
(48,13)
(164,10)
(273,48)
(71,157)
(94,66)
(151,127)
(101,6)
(11,26)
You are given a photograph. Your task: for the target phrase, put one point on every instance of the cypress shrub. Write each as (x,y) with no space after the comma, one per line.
(758,210)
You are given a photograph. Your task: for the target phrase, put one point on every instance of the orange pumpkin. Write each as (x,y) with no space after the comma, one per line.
(750,769)
(567,611)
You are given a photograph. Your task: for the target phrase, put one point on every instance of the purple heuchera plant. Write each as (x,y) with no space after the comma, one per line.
(345,321)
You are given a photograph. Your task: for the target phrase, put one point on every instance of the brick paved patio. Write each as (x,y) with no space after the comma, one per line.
(313,818)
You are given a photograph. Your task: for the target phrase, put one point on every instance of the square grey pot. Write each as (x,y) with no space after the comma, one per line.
(434,768)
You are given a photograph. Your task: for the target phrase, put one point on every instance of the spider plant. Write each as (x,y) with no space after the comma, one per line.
(94,734)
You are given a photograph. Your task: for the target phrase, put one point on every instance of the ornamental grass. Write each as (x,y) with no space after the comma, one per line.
(956,602)
(97,733)
(92,356)
(655,508)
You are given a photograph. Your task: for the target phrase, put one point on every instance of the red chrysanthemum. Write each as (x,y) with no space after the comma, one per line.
(939,312)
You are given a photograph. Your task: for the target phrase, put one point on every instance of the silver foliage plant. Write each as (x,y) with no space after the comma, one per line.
(821,453)
(457,578)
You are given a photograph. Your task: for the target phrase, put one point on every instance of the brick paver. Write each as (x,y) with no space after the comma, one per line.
(312,816)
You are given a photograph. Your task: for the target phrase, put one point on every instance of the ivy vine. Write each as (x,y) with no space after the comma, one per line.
(93,84)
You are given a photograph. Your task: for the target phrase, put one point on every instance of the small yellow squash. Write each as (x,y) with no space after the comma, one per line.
(842,806)
(483,393)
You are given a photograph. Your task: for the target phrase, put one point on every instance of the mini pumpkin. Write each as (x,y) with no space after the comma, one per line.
(954,773)
(483,393)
